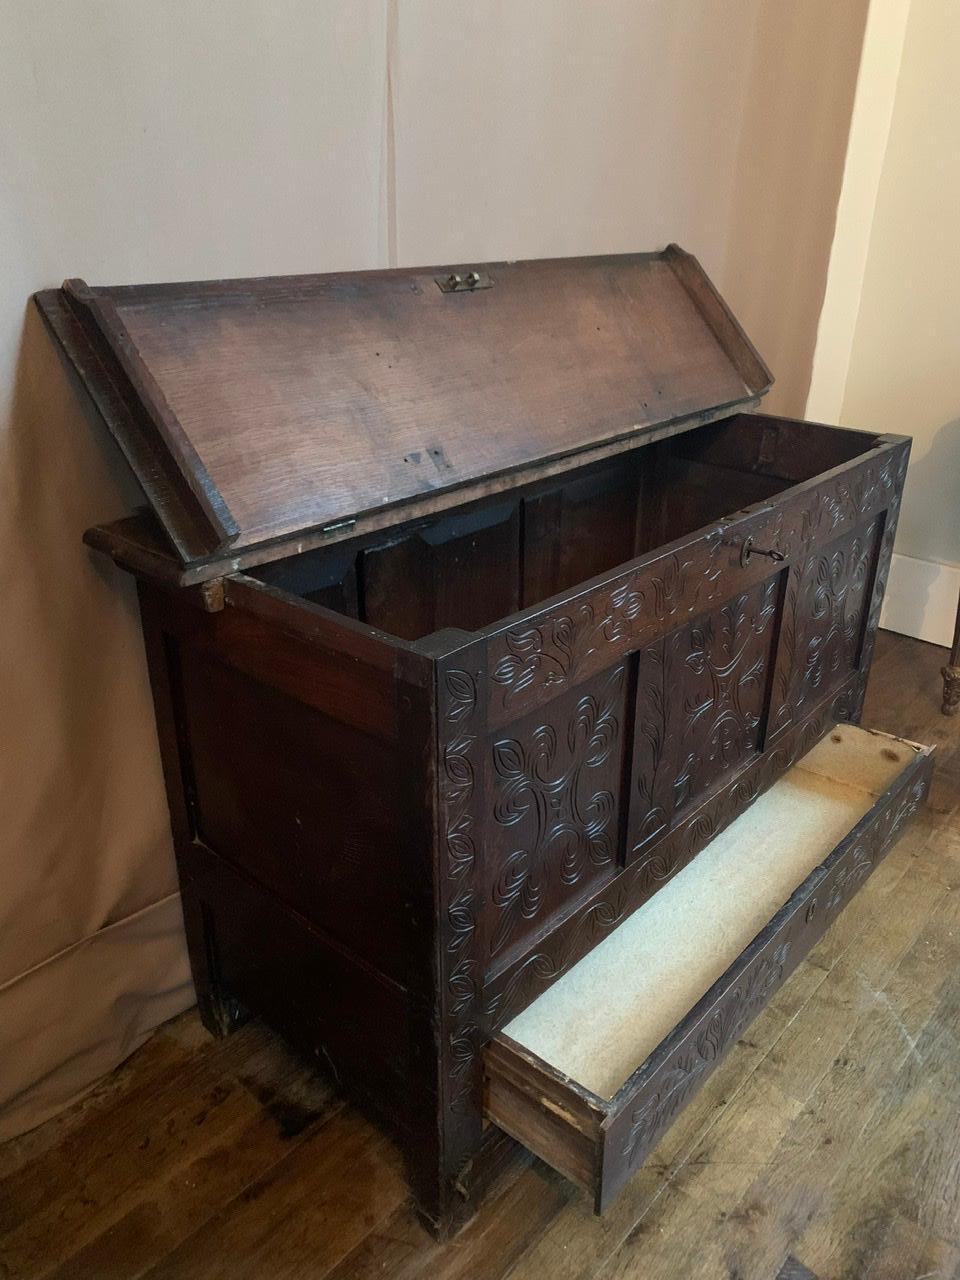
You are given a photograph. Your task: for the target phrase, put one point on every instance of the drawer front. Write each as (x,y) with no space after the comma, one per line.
(598,1141)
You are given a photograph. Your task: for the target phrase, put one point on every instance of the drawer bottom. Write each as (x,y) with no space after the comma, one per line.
(592,1072)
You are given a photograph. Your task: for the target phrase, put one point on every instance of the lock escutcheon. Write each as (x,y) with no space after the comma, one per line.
(748,549)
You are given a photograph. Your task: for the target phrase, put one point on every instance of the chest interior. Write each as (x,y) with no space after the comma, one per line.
(487,560)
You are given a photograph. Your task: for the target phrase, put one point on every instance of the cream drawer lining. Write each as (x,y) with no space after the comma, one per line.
(614,1007)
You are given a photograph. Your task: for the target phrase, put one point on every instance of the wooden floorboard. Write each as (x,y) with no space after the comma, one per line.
(830,1136)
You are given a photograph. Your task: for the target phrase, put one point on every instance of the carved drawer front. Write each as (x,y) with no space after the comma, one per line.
(701,706)
(590,1074)
(554,800)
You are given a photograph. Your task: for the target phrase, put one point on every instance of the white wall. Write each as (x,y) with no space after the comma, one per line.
(900,368)
(200,138)
(792,146)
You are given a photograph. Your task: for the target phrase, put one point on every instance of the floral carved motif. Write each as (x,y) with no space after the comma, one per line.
(531,752)
(726,658)
(561,645)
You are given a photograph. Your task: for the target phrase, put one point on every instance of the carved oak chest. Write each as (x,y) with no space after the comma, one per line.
(506,667)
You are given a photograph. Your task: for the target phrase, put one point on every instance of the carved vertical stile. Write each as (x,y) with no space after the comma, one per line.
(897,473)
(461,724)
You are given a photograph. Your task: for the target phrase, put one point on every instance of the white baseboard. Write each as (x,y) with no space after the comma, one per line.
(921,599)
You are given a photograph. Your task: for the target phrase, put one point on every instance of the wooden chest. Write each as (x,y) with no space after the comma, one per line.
(506,669)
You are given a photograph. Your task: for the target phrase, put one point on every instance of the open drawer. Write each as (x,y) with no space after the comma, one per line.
(591,1073)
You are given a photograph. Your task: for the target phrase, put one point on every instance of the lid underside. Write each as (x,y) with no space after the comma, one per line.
(262,410)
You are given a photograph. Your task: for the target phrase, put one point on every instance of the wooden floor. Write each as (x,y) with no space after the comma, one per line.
(831,1134)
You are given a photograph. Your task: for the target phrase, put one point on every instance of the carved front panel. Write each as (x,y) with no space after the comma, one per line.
(553,831)
(825,618)
(700,707)
(511,925)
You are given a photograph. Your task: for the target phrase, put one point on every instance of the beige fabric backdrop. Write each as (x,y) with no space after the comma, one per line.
(203,138)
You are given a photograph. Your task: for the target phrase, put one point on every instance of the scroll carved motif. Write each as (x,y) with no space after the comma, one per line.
(555,806)
(725,660)
(826,616)
(614,901)
(563,644)
(459,719)
(701,695)
(558,655)
(827,612)
(563,647)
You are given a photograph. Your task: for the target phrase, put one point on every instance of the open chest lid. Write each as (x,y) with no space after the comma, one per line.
(275,413)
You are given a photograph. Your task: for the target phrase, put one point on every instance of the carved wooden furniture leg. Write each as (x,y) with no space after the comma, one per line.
(951,674)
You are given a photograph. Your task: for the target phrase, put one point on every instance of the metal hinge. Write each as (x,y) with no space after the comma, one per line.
(469,283)
(339,525)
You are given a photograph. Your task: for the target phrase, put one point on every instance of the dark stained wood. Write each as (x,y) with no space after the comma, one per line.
(576,530)
(319,1012)
(726,329)
(342,779)
(190,522)
(146,392)
(678,492)
(555,811)
(549,1114)
(951,674)
(138,543)
(508,989)
(723,663)
(462,571)
(560,632)
(289,404)
(825,1134)
(783,449)
(297,648)
(318,847)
